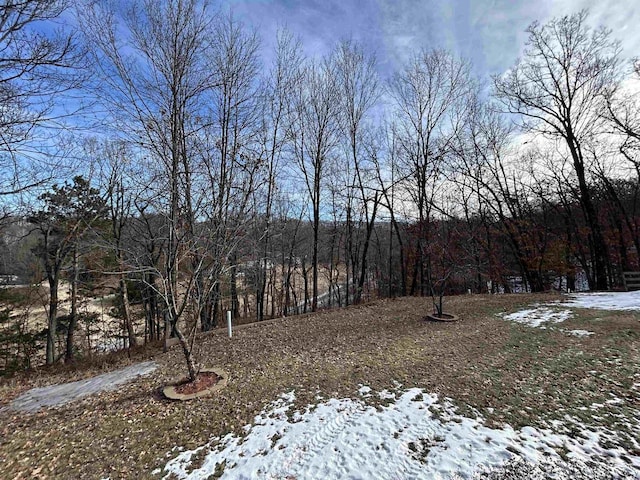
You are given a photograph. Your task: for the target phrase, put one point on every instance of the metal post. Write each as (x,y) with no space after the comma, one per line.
(229,322)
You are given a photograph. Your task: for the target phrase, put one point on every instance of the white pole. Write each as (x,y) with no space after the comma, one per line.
(229,322)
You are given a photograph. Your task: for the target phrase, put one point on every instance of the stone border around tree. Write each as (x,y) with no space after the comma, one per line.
(447,317)
(170,390)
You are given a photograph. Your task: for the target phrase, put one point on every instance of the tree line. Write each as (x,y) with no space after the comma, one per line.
(207,178)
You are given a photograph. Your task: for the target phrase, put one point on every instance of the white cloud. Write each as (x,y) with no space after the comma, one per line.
(491,33)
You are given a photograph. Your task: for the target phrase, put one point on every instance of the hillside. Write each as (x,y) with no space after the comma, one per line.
(503,370)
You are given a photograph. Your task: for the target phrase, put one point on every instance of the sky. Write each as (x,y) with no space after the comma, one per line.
(490,33)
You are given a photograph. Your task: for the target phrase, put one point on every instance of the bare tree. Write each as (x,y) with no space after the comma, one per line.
(157,98)
(314,137)
(622,104)
(187,100)
(359,88)
(231,173)
(334,230)
(147,240)
(115,175)
(489,168)
(280,85)
(431,96)
(557,89)
(36,69)
(623,114)
(388,180)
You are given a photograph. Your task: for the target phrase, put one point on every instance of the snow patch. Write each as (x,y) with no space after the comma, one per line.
(605,300)
(365,391)
(415,437)
(539,316)
(579,333)
(37,398)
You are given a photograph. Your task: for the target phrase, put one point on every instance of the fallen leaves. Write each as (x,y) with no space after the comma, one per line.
(127,433)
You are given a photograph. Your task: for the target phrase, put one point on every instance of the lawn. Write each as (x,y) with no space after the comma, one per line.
(484,366)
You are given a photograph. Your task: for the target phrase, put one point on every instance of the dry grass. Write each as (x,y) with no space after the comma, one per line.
(528,376)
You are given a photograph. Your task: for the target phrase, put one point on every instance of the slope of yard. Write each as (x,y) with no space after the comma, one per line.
(436,382)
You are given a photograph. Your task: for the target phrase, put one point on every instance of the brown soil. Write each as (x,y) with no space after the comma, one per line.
(203,381)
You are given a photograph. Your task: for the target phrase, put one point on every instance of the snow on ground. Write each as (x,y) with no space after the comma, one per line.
(416,436)
(579,333)
(539,316)
(37,398)
(605,300)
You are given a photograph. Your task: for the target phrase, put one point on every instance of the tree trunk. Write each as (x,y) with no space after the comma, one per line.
(331,286)
(365,250)
(234,287)
(261,284)
(348,247)
(401,260)
(316,228)
(192,366)
(535,281)
(305,277)
(126,311)
(52,321)
(156,312)
(272,289)
(215,303)
(73,317)
(599,248)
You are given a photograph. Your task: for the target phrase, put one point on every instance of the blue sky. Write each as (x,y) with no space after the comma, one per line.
(488,32)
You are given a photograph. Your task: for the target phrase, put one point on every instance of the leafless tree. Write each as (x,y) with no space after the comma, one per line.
(431,97)
(36,70)
(279,86)
(146,235)
(489,168)
(156,98)
(229,172)
(314,133)
(622,112)
(116,174)
(359,92)
(388,179)
(557,89)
